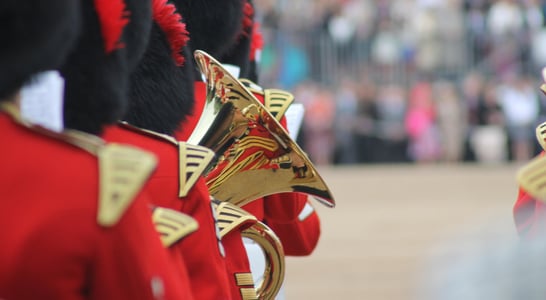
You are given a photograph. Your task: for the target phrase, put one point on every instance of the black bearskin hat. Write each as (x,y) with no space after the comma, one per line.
(238,54)
(36,36)
(161,93)
(97,71)
(214,25)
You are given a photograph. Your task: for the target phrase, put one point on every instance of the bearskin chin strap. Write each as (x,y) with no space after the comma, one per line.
(170,22)
(113,18)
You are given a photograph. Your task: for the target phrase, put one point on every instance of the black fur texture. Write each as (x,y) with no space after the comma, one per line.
(161,94)
(213,25)
(137,32)
(239,55)
(97,83)
(36,36)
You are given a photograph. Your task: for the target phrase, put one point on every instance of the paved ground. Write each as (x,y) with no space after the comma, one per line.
(392,221)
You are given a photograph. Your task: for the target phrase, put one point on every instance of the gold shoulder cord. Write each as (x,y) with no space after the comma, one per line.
(172,225)
(123,170)
(231,217)
(193,160)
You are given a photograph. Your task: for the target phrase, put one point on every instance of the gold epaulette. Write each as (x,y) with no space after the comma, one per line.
(276,101)
(123,170)
(532,178)
(193,160)
(172,225)
(541,135)
(231,217)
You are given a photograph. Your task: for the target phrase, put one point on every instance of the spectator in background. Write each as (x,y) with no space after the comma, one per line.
(452,37)
(489,139)
(476,29)
(428,41)
(506,26)
(346,104)
(319,116)
(520,106)
(365,125)
(424,141)
(392,138)
(386,50)
(451,120)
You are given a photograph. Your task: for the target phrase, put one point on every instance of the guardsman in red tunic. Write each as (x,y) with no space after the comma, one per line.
(290,215)
(89,92)
(160,97)
(219,21)
(530,207)
(74,222)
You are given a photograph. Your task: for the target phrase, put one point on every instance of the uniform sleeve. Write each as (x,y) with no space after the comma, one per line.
(132,263)
(203,252)
(292,217)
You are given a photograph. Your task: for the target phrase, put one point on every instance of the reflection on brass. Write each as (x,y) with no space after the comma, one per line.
(249,143)
(276,101)
(172,225)
(231,218)
(274,259)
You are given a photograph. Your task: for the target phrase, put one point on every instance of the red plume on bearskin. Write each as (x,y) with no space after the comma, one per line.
(248,17)
(257,41)
(170,22)
(113,18)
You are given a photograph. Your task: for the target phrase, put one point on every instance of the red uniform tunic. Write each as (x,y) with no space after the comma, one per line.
(236,258)
(52,245)
(529,215)
(201,250)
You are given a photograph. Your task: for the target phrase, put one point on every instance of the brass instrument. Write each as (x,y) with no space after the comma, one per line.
(231,217)
(255,156)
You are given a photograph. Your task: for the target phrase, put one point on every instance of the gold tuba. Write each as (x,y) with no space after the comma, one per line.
(255,156)
(230,218)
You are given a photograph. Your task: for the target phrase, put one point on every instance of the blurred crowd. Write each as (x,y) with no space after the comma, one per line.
(410,80)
